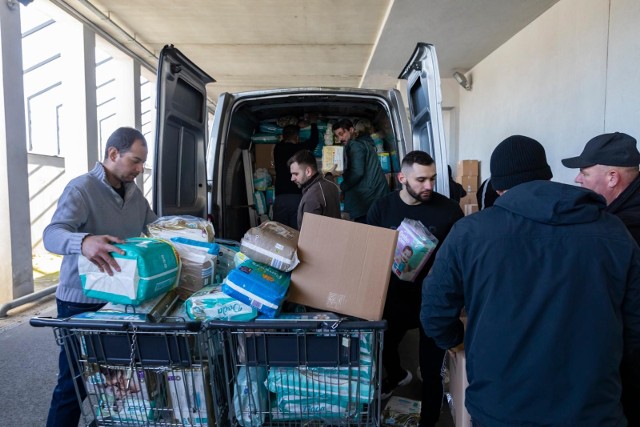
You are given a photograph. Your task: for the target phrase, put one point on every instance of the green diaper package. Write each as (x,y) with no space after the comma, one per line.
(149,268)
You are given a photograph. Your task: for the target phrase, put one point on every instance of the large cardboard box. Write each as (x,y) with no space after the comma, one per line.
(264,156)
(468,167)
(468,182)
(344,266)
(469,199)
(457,385)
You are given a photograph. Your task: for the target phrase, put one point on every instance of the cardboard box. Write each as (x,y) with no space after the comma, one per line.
(468,167)
(344,266)
(470,208)
(469,199)
(264,156)
(468,182)
(457,385)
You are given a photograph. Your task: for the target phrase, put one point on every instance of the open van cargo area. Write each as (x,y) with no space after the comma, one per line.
(253,131)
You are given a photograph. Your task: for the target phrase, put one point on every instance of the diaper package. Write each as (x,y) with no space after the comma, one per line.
(259,286)
(148,268)
(212,304)
(198,262)
(121,394)
(415,246)
(250,400)
(273,244)
(190,396)
(188,226)
(294,407)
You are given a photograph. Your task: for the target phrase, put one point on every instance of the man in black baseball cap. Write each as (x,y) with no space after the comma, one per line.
(609,166)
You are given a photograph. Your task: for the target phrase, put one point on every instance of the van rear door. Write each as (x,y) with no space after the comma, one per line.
(179,175)
(425,108)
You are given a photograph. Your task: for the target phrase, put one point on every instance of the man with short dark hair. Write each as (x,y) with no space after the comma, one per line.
(287,194)
(319,195)
(364,181)
(96,210)
(550,283)
(418,201)
(609,166)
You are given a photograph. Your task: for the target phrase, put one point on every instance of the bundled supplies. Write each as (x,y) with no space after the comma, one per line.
(415,246)
(148,268)
(273,244)
(186,226)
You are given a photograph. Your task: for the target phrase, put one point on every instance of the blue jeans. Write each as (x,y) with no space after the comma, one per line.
(65,406)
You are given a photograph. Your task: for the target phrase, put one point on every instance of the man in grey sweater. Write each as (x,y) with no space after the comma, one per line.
(95,211)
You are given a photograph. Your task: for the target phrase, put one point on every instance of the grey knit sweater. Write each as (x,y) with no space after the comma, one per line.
(89,205)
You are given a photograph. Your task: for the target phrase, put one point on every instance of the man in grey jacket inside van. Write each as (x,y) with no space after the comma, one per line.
(95,211)
(319,195)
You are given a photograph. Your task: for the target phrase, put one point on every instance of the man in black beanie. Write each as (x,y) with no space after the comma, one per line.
(550,284)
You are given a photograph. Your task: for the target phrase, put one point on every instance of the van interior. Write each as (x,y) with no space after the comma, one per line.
(242,156)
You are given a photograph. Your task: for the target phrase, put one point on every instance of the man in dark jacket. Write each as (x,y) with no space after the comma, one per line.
(417,200)
(319,195)
(609,166)
(551,286)
(288,195)
(364,181)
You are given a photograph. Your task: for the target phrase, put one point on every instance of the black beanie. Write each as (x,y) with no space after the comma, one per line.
(516,160)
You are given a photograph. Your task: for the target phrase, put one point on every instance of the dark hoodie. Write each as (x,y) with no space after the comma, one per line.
(551,286)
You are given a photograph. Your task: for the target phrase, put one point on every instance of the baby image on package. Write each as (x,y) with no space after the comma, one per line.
(415,246)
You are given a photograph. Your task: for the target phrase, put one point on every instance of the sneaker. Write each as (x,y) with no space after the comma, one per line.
(388,387)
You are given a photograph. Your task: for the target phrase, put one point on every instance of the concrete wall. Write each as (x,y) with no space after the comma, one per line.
(565,78)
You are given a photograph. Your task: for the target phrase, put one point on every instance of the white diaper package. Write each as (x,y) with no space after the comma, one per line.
(212,304)
(190,397)
(187,226)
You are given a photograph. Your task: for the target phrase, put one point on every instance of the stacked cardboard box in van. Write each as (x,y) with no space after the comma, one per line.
(467,175)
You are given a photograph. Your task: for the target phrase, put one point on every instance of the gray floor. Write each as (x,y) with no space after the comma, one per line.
(28,367)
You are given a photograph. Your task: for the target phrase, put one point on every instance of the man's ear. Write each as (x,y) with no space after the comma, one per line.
(112,153)
(402,178)
(613,178)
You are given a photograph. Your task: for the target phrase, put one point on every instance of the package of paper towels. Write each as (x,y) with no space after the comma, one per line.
(148,268)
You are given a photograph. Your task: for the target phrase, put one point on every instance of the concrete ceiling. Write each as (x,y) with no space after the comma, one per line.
(256,44)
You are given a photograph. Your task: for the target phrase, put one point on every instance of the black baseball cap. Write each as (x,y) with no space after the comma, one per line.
(610,149)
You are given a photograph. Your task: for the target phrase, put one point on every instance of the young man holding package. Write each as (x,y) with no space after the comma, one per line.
(417,200)
(550,283)
(95,211)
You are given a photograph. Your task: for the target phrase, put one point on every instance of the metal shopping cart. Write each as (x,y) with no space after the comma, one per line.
(284,373)
(137,373)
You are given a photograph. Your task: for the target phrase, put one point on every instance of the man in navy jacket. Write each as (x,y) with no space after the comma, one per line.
(551,286)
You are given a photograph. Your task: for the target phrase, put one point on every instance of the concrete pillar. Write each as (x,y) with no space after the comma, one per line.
(16,272)
(79,131)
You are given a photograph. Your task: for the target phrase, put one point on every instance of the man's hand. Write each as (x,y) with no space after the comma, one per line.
(458,348)
(97,248)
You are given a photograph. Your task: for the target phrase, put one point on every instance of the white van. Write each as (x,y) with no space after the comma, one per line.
(215,179)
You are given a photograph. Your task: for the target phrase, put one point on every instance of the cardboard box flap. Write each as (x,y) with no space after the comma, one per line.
(344,266)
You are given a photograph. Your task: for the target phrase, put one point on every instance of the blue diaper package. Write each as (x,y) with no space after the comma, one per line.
(258,286)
